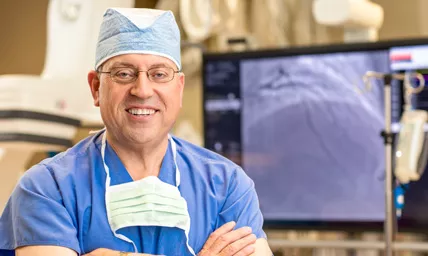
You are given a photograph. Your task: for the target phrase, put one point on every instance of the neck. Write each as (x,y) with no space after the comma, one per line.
(140,160)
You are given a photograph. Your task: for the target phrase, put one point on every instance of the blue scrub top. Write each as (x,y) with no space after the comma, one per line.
(61,201)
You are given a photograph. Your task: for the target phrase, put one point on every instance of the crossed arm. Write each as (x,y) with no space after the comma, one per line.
(224,241)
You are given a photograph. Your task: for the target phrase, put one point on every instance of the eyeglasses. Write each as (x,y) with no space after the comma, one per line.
(126,75)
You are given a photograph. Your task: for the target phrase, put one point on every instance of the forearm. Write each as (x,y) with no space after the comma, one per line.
(262,248)
(44,251)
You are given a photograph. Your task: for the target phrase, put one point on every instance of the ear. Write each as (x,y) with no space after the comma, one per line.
(94,84)
(181,84)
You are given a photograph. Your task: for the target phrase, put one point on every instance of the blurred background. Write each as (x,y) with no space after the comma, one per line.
(23,27)
(270,84)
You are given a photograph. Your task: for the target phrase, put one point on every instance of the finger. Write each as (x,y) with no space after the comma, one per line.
(224,240)
(216,234)
(248,250)
(239,245)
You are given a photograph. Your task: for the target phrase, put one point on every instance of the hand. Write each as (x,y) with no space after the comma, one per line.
(226,241)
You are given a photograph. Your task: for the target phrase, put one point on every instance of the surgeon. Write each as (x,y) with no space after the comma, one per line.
(132,189)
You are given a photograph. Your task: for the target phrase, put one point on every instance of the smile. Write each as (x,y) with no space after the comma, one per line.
(141,111)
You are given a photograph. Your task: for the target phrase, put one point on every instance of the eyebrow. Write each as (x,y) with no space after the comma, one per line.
(160,65)
(122,64)
(127,64)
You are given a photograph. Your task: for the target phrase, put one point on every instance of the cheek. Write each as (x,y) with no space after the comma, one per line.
(110,102)
(175,99)
(171,100)
(109,96)
(103,93)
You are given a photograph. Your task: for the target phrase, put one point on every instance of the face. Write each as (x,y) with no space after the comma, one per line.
(142,111)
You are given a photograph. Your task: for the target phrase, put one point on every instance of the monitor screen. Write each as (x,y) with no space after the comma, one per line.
(306,129)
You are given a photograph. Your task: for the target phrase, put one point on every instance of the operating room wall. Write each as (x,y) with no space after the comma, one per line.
(22,36)
(404,19)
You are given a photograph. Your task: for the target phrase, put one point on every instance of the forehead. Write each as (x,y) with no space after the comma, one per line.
(140,61)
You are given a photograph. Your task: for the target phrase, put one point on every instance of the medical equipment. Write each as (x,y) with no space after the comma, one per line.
(196,19)
(361,19)
(410,162)
(415,131)
(42,113)
(292,160)
(410,155)
(292,119)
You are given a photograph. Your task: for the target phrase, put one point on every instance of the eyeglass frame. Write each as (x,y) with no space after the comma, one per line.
(137,74)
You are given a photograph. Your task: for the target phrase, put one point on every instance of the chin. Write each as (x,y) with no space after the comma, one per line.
(141,138)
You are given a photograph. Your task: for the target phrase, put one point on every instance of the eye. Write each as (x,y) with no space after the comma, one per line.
(158,73)
(124,73)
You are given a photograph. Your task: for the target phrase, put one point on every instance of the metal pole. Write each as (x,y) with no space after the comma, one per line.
(389,204)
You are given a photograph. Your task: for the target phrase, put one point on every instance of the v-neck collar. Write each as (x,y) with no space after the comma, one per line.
(119,174)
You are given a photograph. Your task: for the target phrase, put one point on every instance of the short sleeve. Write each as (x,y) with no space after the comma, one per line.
(242,204)
(35,214)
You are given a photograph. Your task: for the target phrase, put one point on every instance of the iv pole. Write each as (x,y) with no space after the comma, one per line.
(390,220)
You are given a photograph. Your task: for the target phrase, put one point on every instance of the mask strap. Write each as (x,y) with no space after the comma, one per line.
(96,131)
(174,156)
(103,156)
(177,182)
(106,169)
(186,232)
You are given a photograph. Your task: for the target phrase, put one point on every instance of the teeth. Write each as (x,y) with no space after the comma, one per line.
(139,111)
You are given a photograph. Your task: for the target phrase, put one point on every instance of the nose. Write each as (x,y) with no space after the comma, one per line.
(142,87)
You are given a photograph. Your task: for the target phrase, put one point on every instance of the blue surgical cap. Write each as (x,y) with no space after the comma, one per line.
(138,30)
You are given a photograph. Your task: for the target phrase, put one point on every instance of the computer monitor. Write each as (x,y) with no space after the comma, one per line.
(301,124)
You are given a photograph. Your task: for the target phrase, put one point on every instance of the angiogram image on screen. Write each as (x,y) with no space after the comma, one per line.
(311,139)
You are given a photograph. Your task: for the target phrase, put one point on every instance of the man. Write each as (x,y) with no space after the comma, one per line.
(132,187)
